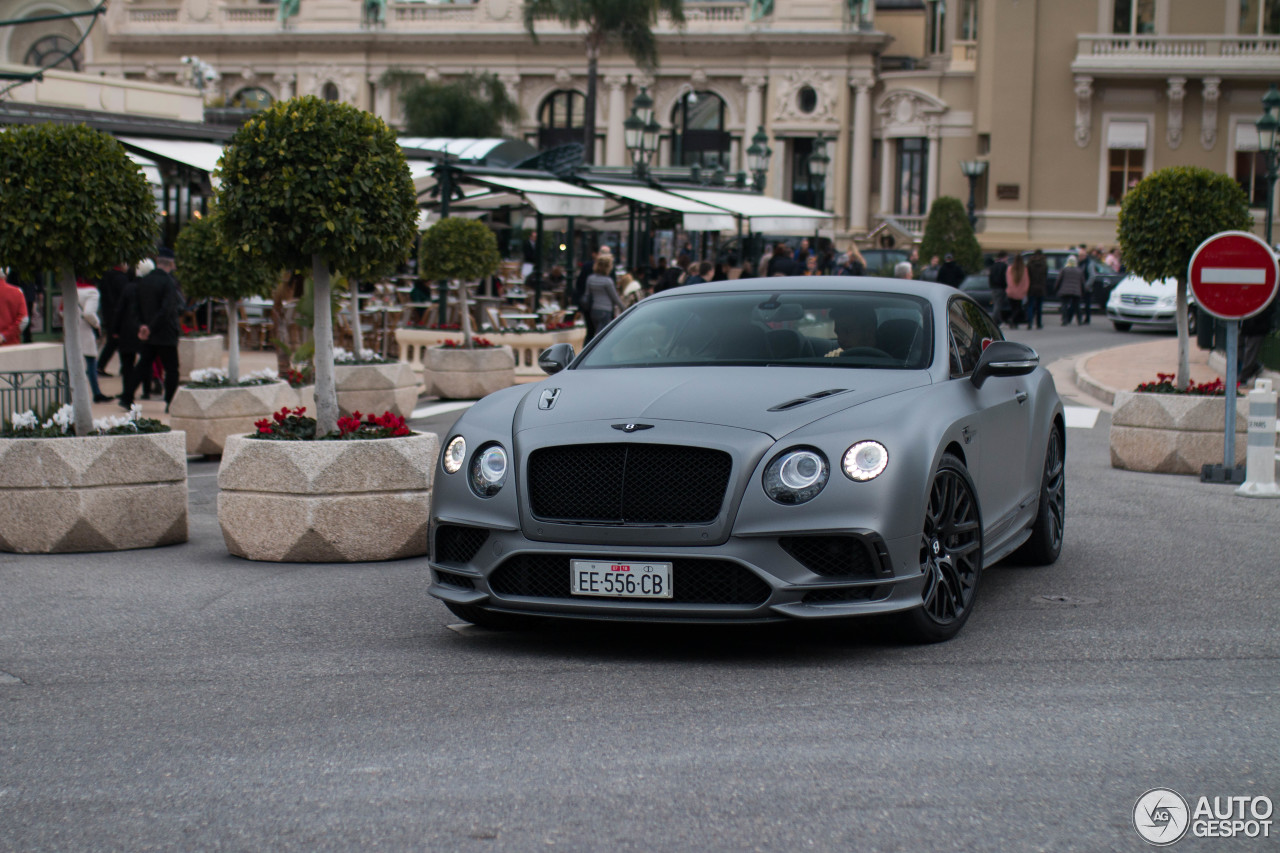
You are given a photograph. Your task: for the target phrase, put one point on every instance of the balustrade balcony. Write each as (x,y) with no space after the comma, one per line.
(1151,55)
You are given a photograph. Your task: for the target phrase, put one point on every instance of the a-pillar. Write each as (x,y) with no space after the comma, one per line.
(615,144)
(754,84)
(860,173)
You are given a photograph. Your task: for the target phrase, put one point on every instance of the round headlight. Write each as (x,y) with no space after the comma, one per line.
(489,470)
(455,453)
(1168,301)
(866,460)
(796,476)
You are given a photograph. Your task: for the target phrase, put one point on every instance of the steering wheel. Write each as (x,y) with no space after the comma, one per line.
(865,352)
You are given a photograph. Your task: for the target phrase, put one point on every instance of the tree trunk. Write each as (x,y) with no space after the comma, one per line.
(233,340)
(357,334)
(326,390)
(80,397)
(589,110)
(465,306)
(1183,377)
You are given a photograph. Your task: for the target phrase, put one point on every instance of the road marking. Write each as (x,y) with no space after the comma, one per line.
(1080,417)
(1233,275)
(440,409)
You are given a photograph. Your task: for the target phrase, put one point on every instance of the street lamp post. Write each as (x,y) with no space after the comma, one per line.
(973,169)
(819,161)
(640,134)
(758,154)
(1267,124)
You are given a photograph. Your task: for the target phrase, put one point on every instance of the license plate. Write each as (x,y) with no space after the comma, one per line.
(620,580)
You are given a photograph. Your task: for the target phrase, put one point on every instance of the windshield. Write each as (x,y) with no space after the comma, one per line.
(825,329)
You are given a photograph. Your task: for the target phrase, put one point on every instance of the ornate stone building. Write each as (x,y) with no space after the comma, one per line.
(1066,103)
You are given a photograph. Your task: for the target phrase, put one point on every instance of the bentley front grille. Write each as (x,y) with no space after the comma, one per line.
(628,483)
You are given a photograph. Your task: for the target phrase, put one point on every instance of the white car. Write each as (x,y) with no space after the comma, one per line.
(1152,305)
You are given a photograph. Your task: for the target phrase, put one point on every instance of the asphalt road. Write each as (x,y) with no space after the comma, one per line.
(182,699)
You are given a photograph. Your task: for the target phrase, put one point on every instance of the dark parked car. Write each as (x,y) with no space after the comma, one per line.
(753,451)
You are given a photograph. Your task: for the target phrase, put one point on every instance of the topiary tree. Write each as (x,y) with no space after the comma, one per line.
(462,249)
(948,232)
(72,203)
(474,105)
(318,183)
(1162,221)
(209,270)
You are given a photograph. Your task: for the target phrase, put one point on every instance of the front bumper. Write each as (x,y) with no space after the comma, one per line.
(758,578)
(1149,317)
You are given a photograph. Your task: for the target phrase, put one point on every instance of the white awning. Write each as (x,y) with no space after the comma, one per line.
(697,216)
(762,213)
(548,197)
(198,155)
(1246,137)
(1127,134)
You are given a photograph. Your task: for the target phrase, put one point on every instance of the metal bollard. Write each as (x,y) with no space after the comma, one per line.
(1260,456)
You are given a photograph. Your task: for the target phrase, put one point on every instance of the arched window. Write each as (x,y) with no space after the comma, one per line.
(561,118)
(330,92)
(697,131)
(53,52)
(252,98)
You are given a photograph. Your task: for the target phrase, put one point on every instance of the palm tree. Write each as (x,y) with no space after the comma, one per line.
(628,22)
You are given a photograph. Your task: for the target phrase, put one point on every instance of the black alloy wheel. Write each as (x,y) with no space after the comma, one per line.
(1045,543)
(950,556)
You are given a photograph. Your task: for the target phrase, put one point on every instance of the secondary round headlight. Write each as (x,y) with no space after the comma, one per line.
(1167,301)
(455,454)
(796,476)
(489,470)
(866,460)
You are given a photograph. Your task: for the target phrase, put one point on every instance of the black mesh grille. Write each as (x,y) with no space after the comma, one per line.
(456,544)
(835,596)
(628,483)
(832,556)
(693,581)
(450,579)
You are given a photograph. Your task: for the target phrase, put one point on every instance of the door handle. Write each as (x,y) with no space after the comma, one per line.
(1021,396)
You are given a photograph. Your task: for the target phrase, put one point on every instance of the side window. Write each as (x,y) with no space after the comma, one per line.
(971,331)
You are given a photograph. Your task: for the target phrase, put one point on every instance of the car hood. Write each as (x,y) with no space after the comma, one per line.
(773,400)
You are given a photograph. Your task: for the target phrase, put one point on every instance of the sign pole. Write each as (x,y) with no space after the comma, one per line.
(1233,377)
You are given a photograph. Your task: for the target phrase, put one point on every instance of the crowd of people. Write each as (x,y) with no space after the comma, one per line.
(133,315)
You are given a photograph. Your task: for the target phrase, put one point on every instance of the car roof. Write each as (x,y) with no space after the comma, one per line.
(930,290)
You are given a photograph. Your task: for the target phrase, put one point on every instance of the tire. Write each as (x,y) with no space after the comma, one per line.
(1121,327)
(1191,323)
(950,556)
(489,619)
(1045,543)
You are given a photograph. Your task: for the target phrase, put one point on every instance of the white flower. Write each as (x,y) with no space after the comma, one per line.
(209,375)
(135,411)
(64,418)
(342,356)
(267,374)
(24,420)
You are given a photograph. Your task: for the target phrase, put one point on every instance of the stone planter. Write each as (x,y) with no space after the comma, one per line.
(376,388)
(1172,433)
(99,493)
(525,346)
(326,501)
(210,415)
(199,353)
(468,374)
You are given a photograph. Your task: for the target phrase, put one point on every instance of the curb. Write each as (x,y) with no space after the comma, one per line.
(1088,384)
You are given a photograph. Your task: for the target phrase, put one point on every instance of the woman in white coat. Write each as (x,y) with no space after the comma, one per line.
(90,327)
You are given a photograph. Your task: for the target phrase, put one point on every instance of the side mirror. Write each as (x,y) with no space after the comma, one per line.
(1004,358)
(555,358)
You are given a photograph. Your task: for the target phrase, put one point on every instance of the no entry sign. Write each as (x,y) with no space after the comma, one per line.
(1233,275)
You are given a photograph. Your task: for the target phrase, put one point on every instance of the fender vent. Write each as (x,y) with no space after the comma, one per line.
(800,401)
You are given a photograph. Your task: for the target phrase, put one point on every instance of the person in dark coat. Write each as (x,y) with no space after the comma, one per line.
(1070,291)
(1038,272)
(109,288)
(950,272)
(124,331)
(160,305)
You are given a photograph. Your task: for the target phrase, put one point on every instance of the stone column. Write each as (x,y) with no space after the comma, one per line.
(286,84)
(860,173)
(615,144)
(511,82)
(754,84)
(887,151)
(381,98)
(931,186)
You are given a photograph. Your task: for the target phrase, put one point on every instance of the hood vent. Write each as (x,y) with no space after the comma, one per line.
(800,401)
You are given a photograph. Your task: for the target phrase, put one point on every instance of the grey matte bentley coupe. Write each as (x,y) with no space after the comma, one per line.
(782,448)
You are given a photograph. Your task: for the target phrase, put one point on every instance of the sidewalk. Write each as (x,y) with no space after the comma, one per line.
(1102,373)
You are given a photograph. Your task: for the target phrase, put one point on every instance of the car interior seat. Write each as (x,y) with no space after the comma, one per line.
(897,336)
(784,343)
(743,342)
